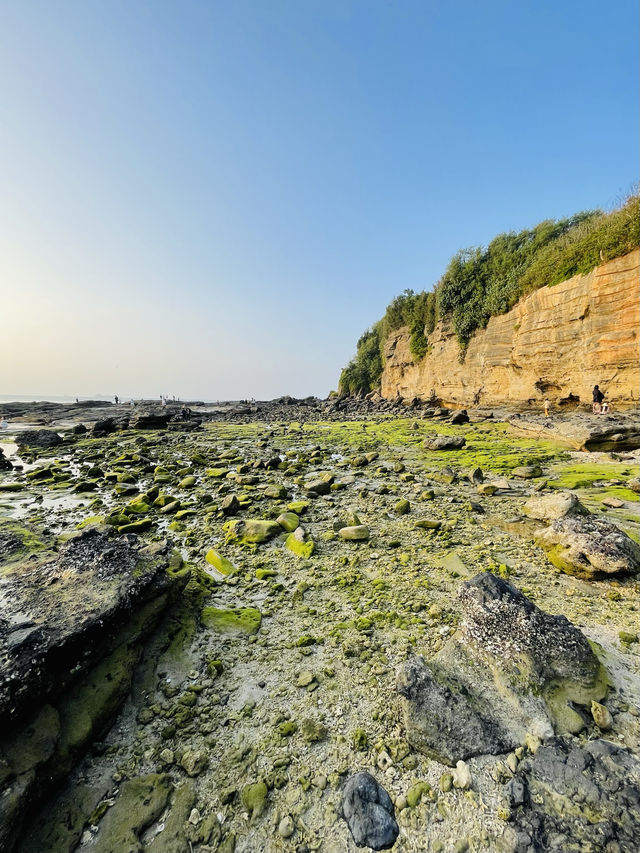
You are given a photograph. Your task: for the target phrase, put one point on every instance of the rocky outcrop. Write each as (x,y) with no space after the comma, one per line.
(71,626)
(570,797)
(38,438)
(511,672)
(584,432)
(556,342)
(589,547)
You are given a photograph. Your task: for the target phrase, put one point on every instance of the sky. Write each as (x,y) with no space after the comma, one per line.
(215,199)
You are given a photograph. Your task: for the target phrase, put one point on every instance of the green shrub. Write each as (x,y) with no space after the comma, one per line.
(482,283)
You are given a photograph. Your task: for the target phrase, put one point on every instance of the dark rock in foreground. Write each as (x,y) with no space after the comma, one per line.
(369,812)
(510,672)
(71,630)
(57,612)
(569,798)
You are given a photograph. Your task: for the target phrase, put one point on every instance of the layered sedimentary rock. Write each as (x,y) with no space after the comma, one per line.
(556,342)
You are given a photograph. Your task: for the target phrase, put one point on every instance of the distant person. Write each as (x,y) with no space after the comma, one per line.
(131,403)
(546,408)
(598,397)
(116,399)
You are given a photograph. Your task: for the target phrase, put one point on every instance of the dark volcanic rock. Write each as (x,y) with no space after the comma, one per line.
(510,671)
(589,547)
(38,438)
(103,427)
(151,420)
(5,465)
(569,798)
(369,812)
(73,603)
(71,631)
(444,442)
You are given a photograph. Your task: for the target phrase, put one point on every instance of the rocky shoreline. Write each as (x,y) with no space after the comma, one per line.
(318,625)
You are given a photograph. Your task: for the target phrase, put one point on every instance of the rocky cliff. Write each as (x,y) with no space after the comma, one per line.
(555,342)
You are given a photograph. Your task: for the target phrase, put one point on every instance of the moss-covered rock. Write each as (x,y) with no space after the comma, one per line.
(219,563)
(252,531)
(239,620)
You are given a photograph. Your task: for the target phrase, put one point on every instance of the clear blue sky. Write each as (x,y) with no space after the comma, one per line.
(215,199)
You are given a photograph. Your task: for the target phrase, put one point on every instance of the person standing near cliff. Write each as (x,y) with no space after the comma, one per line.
(598,397)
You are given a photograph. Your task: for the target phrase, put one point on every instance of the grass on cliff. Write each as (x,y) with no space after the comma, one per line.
(480,283)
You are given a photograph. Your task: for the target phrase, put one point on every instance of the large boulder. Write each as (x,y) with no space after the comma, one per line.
(444,442)
(510,671)
(574,797)
(104,427)
(589,547)
(554,505)
(369,812)
(38,438)
(60,612)
(151,420)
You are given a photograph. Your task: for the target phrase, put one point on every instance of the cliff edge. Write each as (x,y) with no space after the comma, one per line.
(557,341)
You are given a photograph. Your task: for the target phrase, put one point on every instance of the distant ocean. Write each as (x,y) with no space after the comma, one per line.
(47,398)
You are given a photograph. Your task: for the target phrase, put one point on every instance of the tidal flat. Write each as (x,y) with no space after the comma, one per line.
(251,596)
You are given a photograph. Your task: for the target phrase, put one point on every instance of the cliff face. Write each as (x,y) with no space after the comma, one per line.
(557,341)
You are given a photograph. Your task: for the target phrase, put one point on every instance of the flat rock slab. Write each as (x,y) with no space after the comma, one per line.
(369,812)
(589,547)
(552,506)
(57,610)
(583,431)
(510,671)
(444,442)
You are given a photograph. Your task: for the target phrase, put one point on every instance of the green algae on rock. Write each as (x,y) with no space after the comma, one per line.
(239,620)
(252,531)
(220,563)
(298,543)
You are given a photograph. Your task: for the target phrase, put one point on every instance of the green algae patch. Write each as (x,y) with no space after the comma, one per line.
(298,507)
(584,475)
(217,473)
(299,547)
(141,802)
(254,798)
(136,526)
(11,487)
(18,542)
(219,563)
(238,620)
(254,531)
(173,836)
(92,521)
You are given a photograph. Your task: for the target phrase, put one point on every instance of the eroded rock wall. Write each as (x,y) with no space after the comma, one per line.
(557,341)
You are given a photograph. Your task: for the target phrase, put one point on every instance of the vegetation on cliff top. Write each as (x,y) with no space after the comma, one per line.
(480,283)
